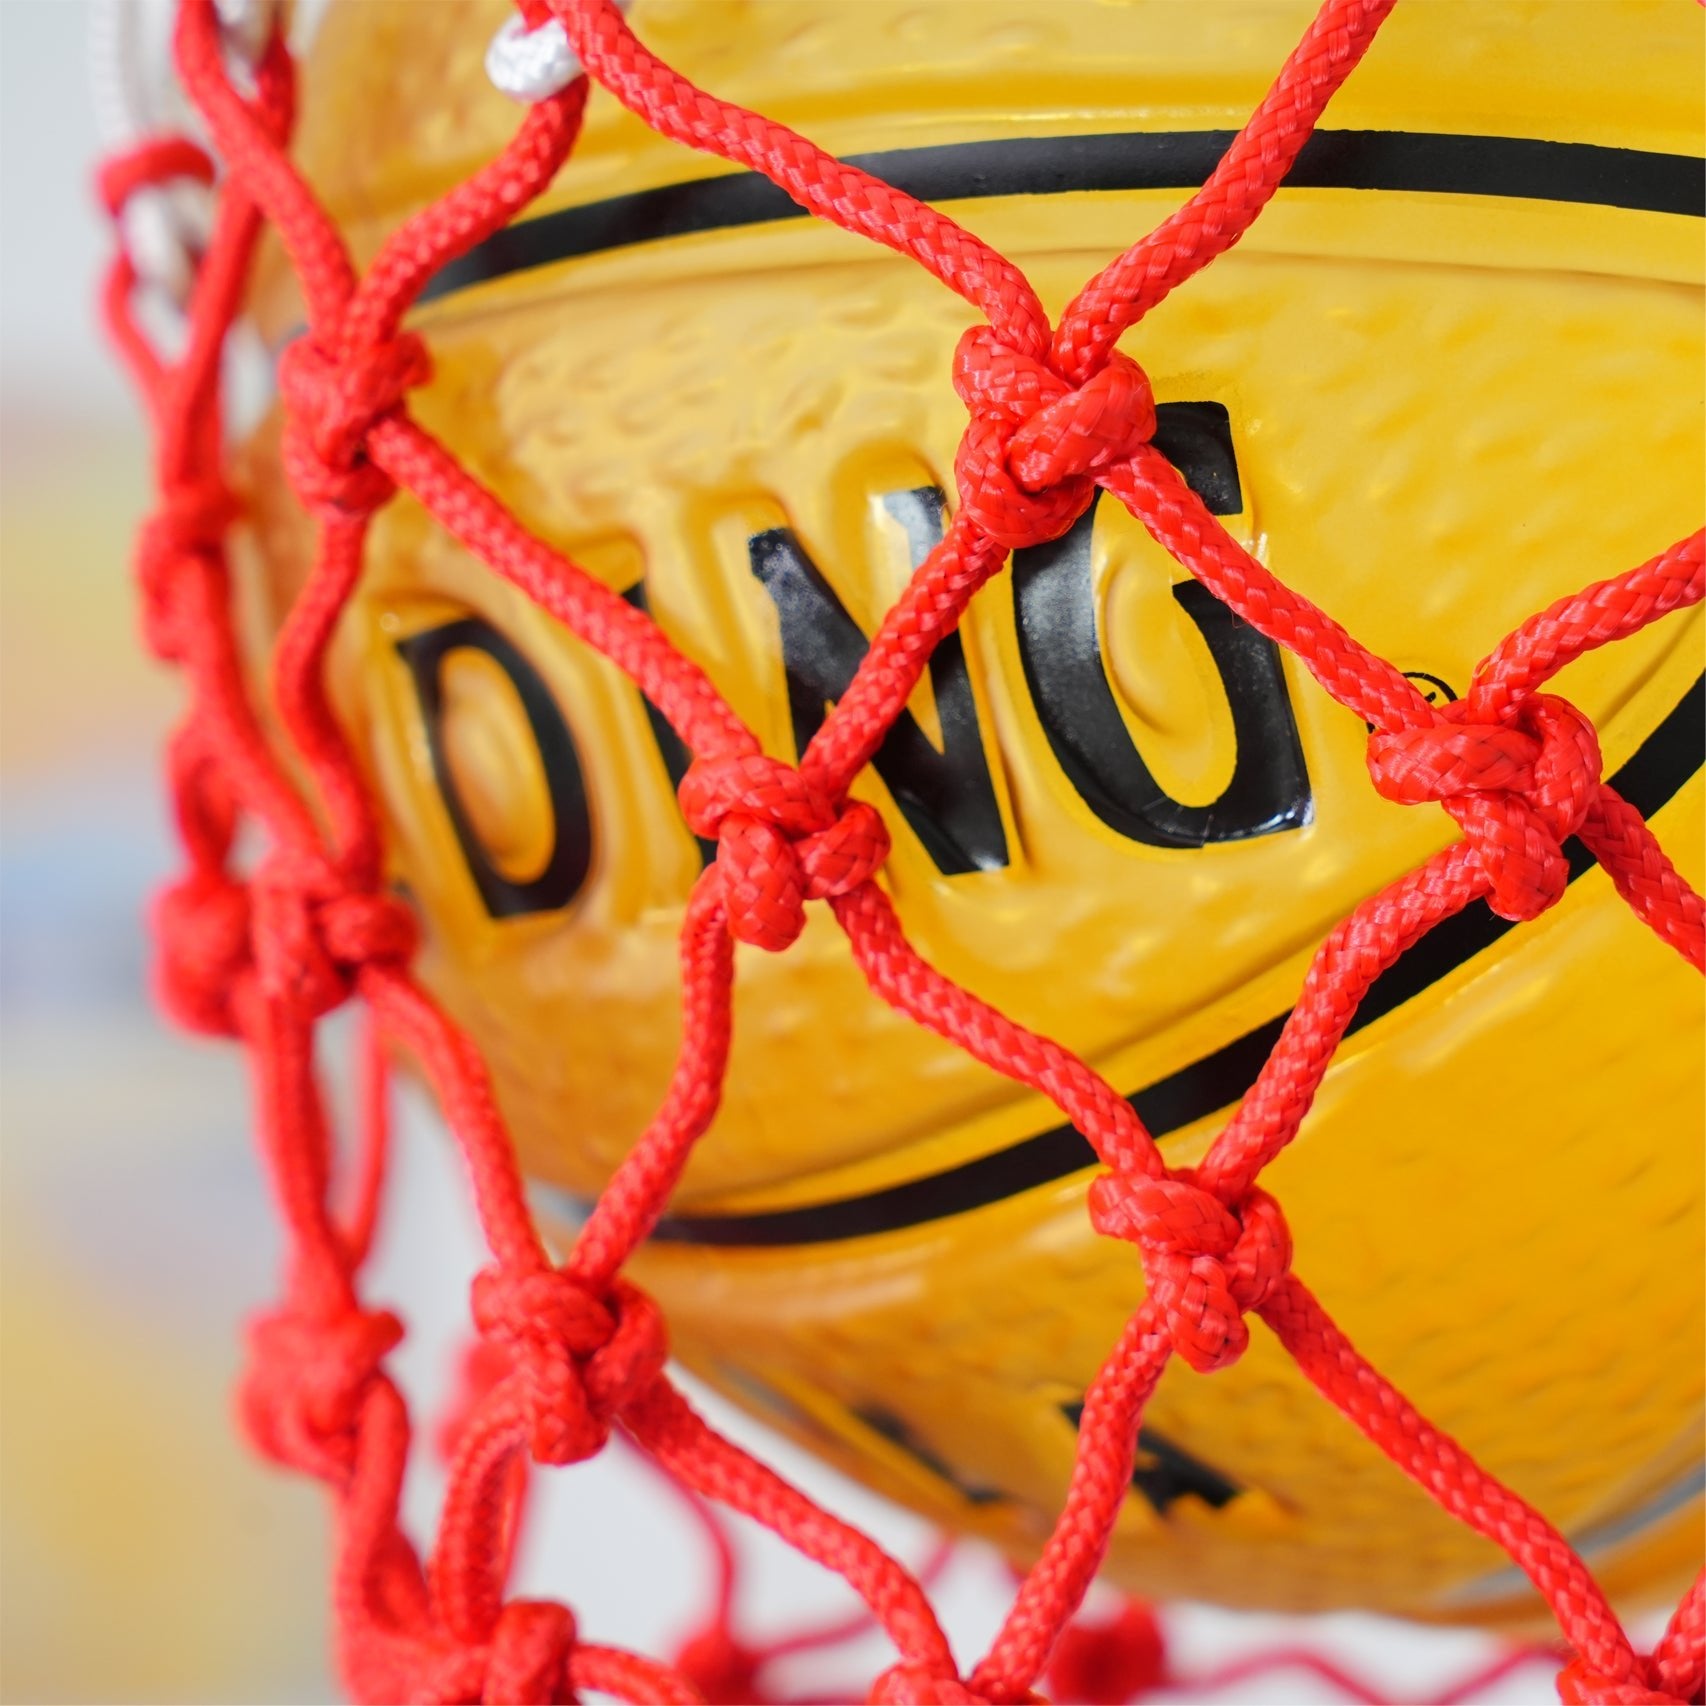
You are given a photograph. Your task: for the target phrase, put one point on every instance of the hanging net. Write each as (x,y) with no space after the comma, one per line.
(283,915)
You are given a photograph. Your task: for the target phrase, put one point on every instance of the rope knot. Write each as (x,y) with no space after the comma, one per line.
(331,405)
(1517,788)
(313,933)
(307,1379)
(920,1685)
(580,1356)
(202,926)
(191,521)
(527,1662)
(780,842)
(1580,1685)
(1205,1263)
(1028,462)
(724,1670)
(151,164)
(1109,1662)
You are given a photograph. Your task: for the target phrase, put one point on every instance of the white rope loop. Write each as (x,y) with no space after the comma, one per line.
(247,27)
(532,65)
(136,95)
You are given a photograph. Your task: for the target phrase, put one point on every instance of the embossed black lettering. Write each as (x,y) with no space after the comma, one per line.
(1164,1472)
(672,749)
(571,844)
(946,796)
(1062,653)
(890,1427)
(1197,439)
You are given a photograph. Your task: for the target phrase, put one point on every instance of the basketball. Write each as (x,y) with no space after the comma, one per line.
(1435,389)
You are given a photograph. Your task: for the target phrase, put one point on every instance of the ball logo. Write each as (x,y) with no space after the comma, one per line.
(943,791)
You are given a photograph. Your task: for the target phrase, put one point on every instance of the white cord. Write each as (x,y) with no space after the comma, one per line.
(136,94)
(529,65)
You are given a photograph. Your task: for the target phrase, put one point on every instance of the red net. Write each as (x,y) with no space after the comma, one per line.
(575,1350)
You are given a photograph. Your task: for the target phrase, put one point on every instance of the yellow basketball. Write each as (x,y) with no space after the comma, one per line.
(1448,377)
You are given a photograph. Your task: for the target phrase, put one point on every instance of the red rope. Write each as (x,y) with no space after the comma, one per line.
(573,1350)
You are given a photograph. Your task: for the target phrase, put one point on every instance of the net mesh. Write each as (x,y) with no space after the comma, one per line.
(264,950)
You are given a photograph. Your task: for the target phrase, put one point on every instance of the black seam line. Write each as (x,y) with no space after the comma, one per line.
(1668,757)
(1508,166)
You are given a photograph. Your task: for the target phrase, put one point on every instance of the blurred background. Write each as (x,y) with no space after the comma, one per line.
(143,1555)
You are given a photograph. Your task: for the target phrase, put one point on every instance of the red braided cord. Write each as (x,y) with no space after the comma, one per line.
(1237,190)
(1346,1684)
(1678,1663)
(828,187)
(1054,415)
